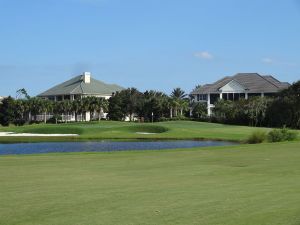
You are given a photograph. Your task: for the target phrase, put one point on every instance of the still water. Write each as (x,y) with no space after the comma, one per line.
(103,146)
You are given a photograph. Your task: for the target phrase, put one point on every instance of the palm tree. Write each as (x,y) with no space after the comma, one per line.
(85,106)
(76,107)
(91,105)
(67,109)
(178,93)
(102,106)
(22,93)
(46,106)
(178,96)
(36,107)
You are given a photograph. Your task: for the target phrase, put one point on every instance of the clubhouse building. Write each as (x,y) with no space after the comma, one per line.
(77,88)
(241,85)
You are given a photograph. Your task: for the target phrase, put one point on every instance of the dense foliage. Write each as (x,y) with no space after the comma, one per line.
(148,106)
(279,111)
(275,135)
(151,106)
(127,104)
(20,111)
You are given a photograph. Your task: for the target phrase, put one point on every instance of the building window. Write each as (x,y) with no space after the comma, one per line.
(59,98)
(67,97)
(201,97)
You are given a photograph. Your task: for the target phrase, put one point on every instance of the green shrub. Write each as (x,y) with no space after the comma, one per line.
(54,119)
(177,118)
(284,134)
(257,137)
(147,128)
(19,122)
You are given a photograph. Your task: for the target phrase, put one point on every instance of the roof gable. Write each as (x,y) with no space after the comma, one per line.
(233,86)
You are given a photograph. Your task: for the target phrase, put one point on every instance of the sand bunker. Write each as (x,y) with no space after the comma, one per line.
(145,133)
(12,134)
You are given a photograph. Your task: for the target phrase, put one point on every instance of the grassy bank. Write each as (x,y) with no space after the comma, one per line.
(236,185)
(124,130)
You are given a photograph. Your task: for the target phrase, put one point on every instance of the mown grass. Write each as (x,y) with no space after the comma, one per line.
(233,185)
(125,130)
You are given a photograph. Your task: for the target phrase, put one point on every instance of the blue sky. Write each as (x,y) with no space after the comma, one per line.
(148,44)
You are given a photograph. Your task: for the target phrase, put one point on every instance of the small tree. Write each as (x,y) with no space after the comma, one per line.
(257,108)
(199,110)
(115,111)
(7,111)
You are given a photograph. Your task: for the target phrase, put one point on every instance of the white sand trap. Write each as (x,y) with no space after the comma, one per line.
(144,133)
(12,134)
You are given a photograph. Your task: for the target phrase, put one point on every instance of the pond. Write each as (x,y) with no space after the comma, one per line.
(103,146)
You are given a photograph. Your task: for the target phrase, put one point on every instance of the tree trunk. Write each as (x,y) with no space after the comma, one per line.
(45,117)
(171,112)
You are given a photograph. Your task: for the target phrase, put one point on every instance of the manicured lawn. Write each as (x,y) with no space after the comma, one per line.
(236,185)
(125,130)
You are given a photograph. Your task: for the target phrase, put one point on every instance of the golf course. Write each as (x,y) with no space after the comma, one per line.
(186,130)
(229,185)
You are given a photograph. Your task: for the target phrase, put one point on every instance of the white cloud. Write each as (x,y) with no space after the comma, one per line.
(204,55)
(277,62)
(267,60)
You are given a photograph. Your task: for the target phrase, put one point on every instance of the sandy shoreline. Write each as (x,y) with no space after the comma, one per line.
(12,134)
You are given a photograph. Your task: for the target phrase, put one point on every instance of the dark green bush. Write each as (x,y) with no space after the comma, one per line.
(257,137)
(54,119)
(19,122)
(284,134)
(146,128)
(177,118)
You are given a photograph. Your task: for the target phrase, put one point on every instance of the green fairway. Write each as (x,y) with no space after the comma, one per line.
(236,185)
(125,130)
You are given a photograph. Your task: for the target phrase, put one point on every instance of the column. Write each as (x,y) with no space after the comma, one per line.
(208,104)
(246,95)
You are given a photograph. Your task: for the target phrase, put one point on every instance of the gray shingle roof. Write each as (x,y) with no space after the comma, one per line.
(253,82)
(76,85)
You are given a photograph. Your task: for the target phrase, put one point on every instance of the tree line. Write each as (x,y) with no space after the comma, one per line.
(281,110)
(129,103)
(152,106)
(21,111)
(149,106)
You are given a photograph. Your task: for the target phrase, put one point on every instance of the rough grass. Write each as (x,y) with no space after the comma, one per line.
(233,185)
(125,130)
